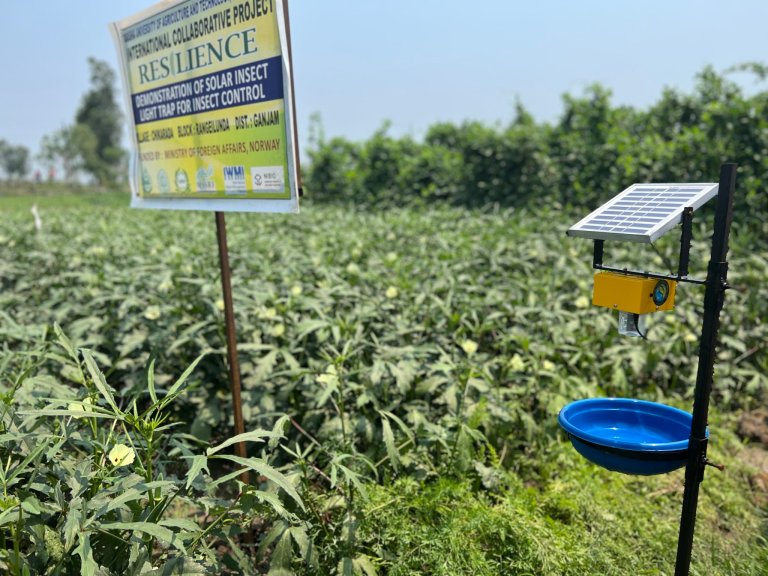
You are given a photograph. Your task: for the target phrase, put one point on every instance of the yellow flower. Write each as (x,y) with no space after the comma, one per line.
(353,268)
(391,256)
(296,290)
(85,406)
(152,313)
(469,347)
(391,292)
(220,304)
(690,337)
(548,366)
(278,330)
(330,377)
(269,313)
(121,455)
(582,302)
(516,363)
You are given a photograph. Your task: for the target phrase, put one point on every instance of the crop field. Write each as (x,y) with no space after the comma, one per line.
(402,374)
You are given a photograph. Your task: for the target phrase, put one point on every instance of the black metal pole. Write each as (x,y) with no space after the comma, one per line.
(714,296)
(597,253)
(685,242)
(231,336)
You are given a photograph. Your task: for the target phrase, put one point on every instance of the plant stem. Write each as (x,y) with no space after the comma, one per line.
(214,523)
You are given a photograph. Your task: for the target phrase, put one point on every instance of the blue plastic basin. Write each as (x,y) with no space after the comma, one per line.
(629,436)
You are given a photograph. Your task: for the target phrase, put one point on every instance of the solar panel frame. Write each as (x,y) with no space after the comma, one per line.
(643,212)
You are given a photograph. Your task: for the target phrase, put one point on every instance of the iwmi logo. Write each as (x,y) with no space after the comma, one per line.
(234,179)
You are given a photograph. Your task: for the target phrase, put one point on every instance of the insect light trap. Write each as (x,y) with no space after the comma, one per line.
(635,436)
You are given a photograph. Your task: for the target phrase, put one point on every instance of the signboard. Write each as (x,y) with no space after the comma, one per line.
(210,97)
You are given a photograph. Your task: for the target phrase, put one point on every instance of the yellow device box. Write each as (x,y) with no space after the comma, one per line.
(633,293)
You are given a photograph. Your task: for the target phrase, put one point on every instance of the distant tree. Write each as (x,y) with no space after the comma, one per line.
(91,145)
(101,153)
(68,148)
(14,160)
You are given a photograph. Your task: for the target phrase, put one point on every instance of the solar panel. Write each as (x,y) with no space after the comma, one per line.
(643,212)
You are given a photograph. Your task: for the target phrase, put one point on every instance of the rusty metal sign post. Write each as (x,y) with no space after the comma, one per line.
(231,337)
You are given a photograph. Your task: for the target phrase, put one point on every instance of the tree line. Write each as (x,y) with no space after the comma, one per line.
(89,147)
(593,151)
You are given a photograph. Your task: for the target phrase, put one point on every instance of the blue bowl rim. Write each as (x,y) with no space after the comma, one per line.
(630,404)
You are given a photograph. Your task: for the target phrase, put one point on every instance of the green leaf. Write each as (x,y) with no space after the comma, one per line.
(136,493)
(302,540)
(402,425)
(99,381)
(262,468)
(24,463)
(280,560)
(88,566)
(253,436)
(153,530)
(363,565)
(128,496)
(31,505)
(345,567)
(198,464)
(180,567)
(352,478)
(308,326)
(151,381)
(174,390)
(9,515)
(389,443)
(72,523)
(73,413)
(279,430)
(181,523)
(65,343)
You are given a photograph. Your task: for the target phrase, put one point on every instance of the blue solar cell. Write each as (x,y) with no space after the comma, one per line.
(643,212)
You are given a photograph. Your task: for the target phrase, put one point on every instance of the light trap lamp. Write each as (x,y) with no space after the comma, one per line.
(634,297)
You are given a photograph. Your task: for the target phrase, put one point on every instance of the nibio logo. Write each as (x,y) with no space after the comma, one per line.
(204,180)
(234,179)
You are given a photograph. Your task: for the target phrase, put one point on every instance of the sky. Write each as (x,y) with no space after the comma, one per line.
(412,63)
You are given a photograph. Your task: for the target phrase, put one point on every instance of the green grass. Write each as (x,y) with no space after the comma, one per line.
(22,196)
(573,519)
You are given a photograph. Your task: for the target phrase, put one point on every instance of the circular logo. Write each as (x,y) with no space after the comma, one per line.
(146,181)
(182,181)
(162,182)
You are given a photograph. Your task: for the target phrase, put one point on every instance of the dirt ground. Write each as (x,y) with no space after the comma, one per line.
(753,427)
